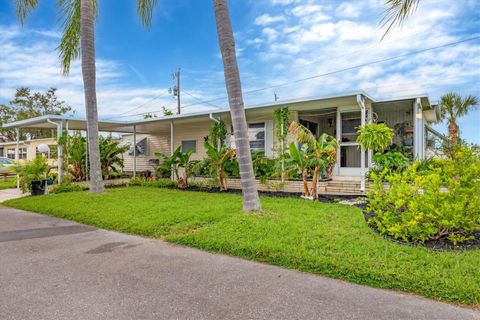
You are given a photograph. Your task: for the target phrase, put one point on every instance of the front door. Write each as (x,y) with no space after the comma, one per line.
(349,148)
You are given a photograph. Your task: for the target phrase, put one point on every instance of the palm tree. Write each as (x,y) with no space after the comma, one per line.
(78,37)
(452,107)
(397,12)
(251,201)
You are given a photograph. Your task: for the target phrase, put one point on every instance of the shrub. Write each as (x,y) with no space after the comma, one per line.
(68,187)
(160,183)
(34,170)
(423,205)
(389,161)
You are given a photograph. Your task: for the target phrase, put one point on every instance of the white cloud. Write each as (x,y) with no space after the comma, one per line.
(348,10)
(266,19)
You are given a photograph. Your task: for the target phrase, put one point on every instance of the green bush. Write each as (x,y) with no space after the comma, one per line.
(160,183)
(389,161)
(68,187)
(420,205)
(375,136)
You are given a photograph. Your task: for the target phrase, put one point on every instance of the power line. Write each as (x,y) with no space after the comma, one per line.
(335,71)
(200,100)
(143,104)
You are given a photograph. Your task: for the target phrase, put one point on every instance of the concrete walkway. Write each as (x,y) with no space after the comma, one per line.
(7,194)
(56,269)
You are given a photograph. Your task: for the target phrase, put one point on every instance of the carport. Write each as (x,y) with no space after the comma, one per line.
(63,122)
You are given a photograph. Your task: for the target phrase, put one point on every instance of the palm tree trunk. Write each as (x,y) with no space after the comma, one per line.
(87,39)
(453,133)
(313,190)
(251,201)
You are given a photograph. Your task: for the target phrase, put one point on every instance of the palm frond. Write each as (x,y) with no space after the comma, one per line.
(69,48)
(23,8)
(145,11)
(397,12)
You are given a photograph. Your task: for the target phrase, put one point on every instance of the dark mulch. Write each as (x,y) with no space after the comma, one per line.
(443,244)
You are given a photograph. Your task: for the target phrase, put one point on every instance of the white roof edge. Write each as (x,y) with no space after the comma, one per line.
(207,112)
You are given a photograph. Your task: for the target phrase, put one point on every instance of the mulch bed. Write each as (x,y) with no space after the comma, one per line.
(443,244)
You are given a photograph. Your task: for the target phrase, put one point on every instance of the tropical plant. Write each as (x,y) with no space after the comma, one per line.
(111,155)
(452,107)
(218,158)
(251,200)
(264,167)
(301,159)
(217,133)
(323,149)
(30,171)
(78,40)
(175,161)
(375,136)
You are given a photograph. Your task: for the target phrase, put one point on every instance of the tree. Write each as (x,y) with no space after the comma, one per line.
(452,107)
(78,37)
(251,201)
(111,155)
(27,105)
(397,12)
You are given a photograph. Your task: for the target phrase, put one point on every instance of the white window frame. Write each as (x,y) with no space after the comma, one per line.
(188,140)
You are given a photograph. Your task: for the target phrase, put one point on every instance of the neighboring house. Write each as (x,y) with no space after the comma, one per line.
(338,116)
(27,149)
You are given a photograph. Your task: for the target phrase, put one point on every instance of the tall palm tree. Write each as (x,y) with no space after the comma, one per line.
(397,12)
(78,37)
(251,201)
(452,107)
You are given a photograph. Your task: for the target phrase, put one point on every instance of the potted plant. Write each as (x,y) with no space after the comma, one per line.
(32,175)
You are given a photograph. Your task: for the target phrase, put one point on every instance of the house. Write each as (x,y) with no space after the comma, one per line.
(338,116)
(28,149)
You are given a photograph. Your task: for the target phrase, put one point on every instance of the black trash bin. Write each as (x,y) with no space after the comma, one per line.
(38,187)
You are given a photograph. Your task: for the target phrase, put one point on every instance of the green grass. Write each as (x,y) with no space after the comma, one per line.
(10,183)
(327,239)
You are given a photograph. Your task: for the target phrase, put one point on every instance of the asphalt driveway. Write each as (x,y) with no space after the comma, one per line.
(56,269)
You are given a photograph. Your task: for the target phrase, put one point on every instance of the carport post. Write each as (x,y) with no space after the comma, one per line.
(17,150)
(59,149)
(172,174)
(134,151)
(361,104)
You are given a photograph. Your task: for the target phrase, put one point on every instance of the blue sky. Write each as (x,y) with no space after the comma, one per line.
(277,41)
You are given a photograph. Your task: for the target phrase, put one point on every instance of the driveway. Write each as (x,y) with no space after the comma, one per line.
(56,269)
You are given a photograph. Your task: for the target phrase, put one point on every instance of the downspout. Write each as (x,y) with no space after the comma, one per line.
(361,104)
(211,117)
(134,150)
(59,150)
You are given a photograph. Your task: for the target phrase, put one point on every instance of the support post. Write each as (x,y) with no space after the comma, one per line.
(361,103)
(17,150)
(134,151)
(59,126)
(172,174)
(370,152)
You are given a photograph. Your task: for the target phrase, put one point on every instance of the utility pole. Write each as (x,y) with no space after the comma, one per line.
(176,89)
(275,96)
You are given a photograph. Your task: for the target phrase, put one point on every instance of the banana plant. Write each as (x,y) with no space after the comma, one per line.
(219,156)
(174,162)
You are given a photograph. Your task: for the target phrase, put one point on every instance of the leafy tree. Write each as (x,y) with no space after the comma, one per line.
(78,40)
(452,107)
(27,104)
(251,201)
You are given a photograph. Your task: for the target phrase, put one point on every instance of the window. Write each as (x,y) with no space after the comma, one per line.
(350,123)
(256,136)
(188,145)
(53,151)
(22,153)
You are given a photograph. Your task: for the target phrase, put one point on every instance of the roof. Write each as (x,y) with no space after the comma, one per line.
(145,125)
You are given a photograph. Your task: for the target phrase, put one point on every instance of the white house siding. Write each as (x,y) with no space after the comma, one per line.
(156,143)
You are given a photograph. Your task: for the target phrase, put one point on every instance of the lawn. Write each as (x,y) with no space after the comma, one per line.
(10,183)
(327,239)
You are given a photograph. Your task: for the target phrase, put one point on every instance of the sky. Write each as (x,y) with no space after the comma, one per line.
(277,41)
